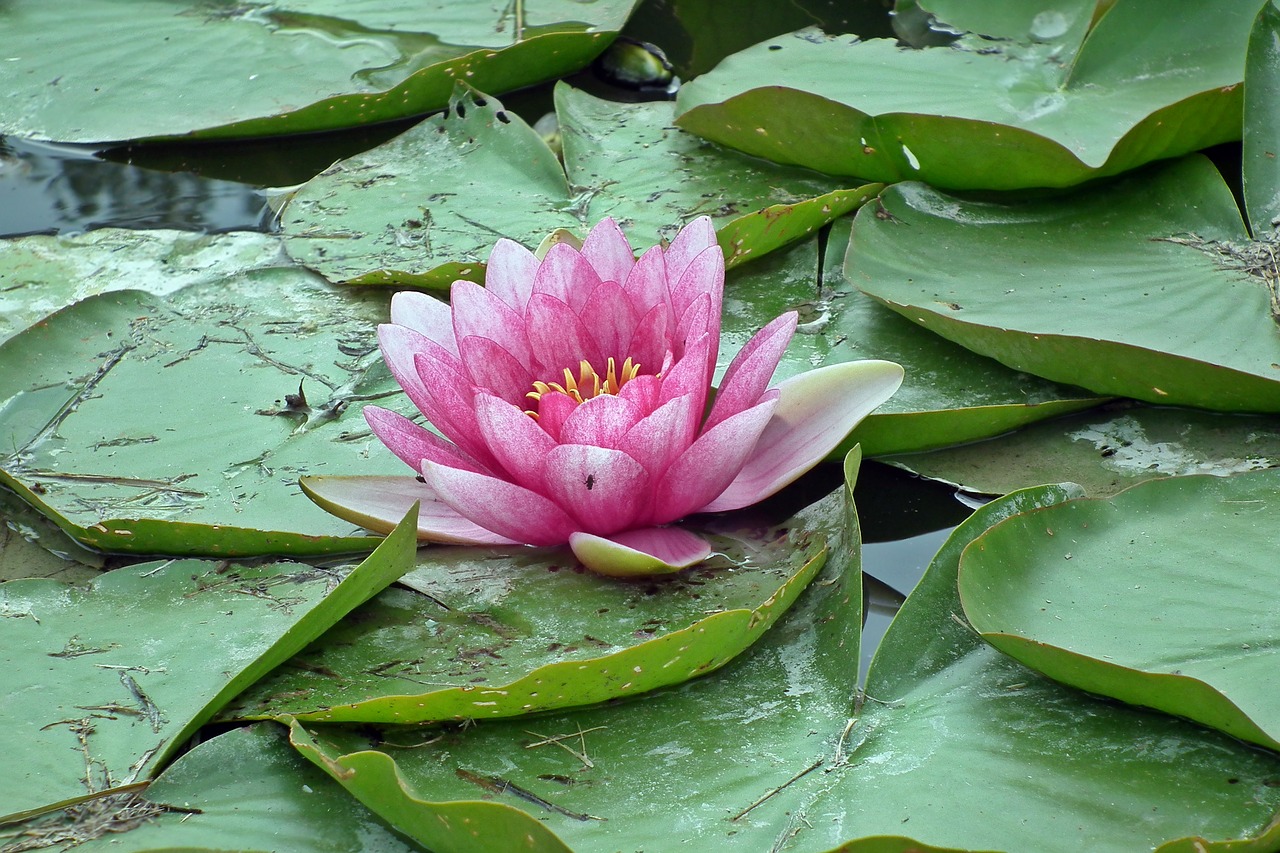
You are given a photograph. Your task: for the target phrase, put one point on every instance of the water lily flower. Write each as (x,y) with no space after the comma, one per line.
(573,401)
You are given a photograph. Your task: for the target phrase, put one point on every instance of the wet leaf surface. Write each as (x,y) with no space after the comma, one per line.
(1159,596)
(1035,107)
(159,69)
(425,208)
(105,682)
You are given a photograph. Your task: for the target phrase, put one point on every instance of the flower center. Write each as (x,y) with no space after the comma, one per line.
(587,383)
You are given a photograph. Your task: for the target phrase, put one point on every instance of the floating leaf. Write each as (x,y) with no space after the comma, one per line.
(425,208)
(957,747)
(1106,451)
(1261,159)
(242,790)
(104,683)
(499,633)
(1159,596)
(180,424)
(1041,109)
(949,395)
(1111,288)
(32,546)
(153,68)
(41,274)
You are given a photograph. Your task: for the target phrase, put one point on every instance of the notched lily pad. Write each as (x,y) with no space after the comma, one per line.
(180,424)
(1159,596)
(104,682)
(486,633)
(426,207)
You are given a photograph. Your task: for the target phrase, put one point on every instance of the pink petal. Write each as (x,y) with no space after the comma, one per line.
(816,411)
(708,465)
(612,321)
(749,374)
(491,367)
(604,489)
(380,503)
(509,273)
(515,439)
(703,275)
(651,340)
(640,553)
(695,322)
(426,315)
(567,276)
(644,391)
(505,508)
(412,443)
(449,405)
(601,421)
(646,286)
(559,338)
(608,252)
(661,435)
(689,375)
(694,239)
(553,410)
(400,348)
(478,312)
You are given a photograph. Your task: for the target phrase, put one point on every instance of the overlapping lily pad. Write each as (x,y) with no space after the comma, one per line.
(425,208)
(498,633)
(39,275)
(956,747)
(1105,452)
(180,424)
(1261,157)
(104,683)
(242,790)
(1038,107)
(155,68)
(949,396)
(1144,288)
(1160,596)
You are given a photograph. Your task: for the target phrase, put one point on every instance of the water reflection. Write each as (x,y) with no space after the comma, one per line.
(51,189)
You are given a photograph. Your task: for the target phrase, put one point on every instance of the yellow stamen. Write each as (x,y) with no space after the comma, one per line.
(587,384)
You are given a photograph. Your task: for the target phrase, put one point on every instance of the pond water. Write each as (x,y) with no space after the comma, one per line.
(64,189)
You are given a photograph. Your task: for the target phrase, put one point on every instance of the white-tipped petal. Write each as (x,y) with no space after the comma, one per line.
(380,503)
(815,412)
(640,553)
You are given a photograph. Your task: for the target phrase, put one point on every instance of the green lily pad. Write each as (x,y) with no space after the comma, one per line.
(1261,158)
(1159,596)
(180,424)
(240,791)
(104,683)
(154,69)
(32,546)
(956,747)
(1105,452)
(425,208)
(1041,109)
(949,396)
(487,633)
(41,274)
(1138,288)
